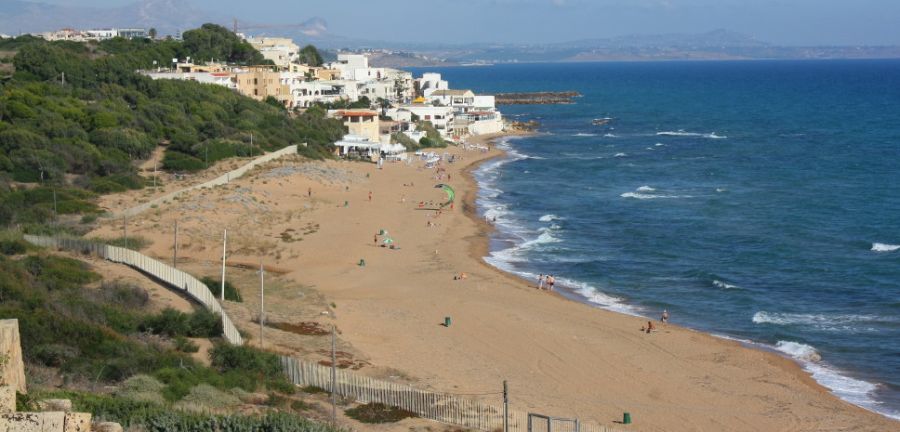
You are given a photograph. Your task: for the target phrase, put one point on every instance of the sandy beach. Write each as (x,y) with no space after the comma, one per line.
(312,223)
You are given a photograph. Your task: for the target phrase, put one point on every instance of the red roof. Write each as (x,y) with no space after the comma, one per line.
(359,113)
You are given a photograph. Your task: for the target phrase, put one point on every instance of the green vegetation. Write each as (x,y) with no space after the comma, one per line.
(149,416)
(362,103)
(215,287)
(311,56)
(401,138)
(432,137)
(378,413)
(75,116)
(95,334)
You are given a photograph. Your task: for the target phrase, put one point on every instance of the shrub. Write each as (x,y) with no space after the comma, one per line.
(124,294)
(185,345)
(142,388)
(215,287)
(206,398)
(177,161)
(172,323)
(378,413)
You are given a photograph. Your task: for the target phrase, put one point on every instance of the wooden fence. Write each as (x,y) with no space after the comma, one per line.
(448,408)
(453,409)
(223,179)
(176,279)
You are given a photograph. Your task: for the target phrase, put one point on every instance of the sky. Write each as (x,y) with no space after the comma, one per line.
(783,22)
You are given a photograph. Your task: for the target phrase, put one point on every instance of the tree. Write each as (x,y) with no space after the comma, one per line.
(212,41)
(310,55)
(152,33)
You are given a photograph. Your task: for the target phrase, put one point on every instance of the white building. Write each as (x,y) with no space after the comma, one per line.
(349,64)
(429,83)
(224,79)
(460,100)
(440,117)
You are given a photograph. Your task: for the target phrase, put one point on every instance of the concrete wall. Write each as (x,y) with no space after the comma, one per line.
(12,368)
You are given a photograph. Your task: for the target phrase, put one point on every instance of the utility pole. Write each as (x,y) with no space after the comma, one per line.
(55,212)
(333,381)
(505,407)
(175,254)
(262,303)
(125,229)
(251,144)
(154,174)
(64,79)
(224,246)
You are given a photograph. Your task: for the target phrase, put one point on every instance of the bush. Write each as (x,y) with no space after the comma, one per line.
(215,287)
(177,161)
(124,294)
(142,388)
(186,345)
(172,323)
(378,413)
(206,398)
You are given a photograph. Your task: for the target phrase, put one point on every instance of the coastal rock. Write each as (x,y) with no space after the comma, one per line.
(64,405)
(536,98)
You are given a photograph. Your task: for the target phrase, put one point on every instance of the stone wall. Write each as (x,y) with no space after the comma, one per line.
(12,367)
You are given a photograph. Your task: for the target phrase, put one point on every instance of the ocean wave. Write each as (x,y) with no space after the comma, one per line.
(884,247)
(582,134)
(825,322)
(609,135)
(643,196)
(597,297)
(850,389)
(621,154)
(549,218)
(723,285)
(682,133)
(645,189)
(659,145)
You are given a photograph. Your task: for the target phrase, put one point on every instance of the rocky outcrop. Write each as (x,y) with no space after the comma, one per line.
(537,98)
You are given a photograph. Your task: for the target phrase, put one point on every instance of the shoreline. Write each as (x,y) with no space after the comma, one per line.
(480,248)
(561,357)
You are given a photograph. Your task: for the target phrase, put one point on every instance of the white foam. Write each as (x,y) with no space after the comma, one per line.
(595,296)
(621,155)
(643,196)
(585,135)
(724,285)
(682,133)
(549,218)
(609,135)
(645,189)
(799,351)
(820,321)
(720,190)
(884,247)
(659,144)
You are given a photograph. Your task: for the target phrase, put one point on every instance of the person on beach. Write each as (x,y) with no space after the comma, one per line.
(370,196)
(309,192)
(376,238)
(650,327)
(541,281)
(665,316)
(550,282)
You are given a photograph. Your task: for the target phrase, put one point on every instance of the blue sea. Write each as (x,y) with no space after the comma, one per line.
(758,201)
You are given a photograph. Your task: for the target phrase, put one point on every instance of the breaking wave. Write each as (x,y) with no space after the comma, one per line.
(884,247)
(681,133)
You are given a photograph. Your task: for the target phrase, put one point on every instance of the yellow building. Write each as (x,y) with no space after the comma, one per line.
(363,123)
(260,83)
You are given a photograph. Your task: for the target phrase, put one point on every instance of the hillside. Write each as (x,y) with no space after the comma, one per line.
(82,136)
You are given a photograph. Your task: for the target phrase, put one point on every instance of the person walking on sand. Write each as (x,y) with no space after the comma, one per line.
(370,196)
(309,192)
(650,327)
(550,282)
(541,281)
(665,316)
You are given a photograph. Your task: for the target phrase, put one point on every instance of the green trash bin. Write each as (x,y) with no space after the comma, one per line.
(362,262)
(447,321)
(626,418)
(346,203)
